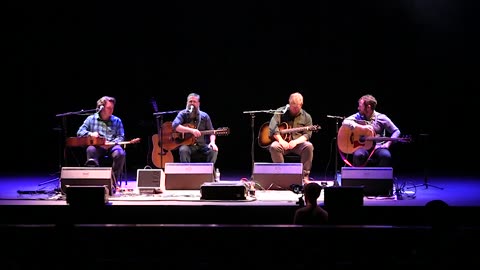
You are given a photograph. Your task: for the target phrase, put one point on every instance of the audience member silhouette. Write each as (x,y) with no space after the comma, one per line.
(438,214)
(311,213)
(442,244)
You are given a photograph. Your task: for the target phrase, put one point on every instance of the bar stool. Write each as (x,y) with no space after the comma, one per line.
(292,158)
(107,161)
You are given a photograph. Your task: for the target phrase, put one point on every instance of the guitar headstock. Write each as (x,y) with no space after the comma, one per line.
(314,128)
(136,140)
(222,131)
(405,139)
(154,105)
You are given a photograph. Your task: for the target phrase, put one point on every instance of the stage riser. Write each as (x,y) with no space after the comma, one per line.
(213,247)
(218,214)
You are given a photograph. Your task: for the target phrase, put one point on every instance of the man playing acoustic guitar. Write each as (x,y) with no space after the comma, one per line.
(192,122)
(359,133)
(297,142)
(105,125)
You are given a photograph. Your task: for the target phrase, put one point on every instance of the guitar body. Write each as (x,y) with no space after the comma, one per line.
(264,138)
(84,141)
(160,156)
(173,139)
(349,140)
(96,141)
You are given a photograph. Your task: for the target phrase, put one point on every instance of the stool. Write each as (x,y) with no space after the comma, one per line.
(292,158)
(106,161)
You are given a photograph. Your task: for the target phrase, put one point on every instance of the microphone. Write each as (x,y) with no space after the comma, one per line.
(336,117)
(100,109)
(286,108)
(190,109)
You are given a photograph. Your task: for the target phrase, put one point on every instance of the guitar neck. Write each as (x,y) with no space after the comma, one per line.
(124,142)
(113,143)
(378,139)
(209,132)
(292,130)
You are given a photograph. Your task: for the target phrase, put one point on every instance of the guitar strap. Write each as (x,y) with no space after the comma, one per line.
(199,119)
(350,164)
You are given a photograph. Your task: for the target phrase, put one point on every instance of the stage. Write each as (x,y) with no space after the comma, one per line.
(178,229)
(34,198)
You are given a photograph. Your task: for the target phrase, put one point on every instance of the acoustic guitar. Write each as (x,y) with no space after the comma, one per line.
(173,139)
(97,141)
(160,155)
(264,138)
(349,140)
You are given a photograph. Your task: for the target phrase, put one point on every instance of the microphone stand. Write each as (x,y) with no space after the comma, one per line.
(159,115)
(337,118)
(252,126)
(336,150)
(425,165)
(61,149)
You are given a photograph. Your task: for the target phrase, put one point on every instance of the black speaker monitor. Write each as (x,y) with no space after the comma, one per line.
(376,181)
(86,196)
(343,197)
(279,176)
(86,176)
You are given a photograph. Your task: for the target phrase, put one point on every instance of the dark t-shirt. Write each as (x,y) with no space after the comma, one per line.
(310,215)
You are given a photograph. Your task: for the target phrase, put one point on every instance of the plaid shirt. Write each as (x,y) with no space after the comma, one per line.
(112,129)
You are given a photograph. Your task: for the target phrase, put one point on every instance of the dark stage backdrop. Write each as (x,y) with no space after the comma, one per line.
(418,58)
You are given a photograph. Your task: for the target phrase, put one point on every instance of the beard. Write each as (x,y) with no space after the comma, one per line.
(195,112)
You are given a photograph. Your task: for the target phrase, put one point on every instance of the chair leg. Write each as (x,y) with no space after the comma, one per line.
(124,175)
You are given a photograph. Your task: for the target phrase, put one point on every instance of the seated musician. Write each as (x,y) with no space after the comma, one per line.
(192,121)
(369,122)
(103,124)
(297,143)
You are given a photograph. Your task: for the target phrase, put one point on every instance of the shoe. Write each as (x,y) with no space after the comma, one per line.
(307,180)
